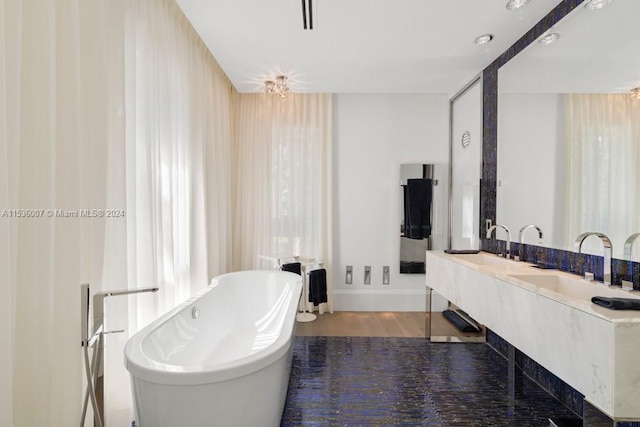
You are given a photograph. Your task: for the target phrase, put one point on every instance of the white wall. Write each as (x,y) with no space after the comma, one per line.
(373,135)
(531,161)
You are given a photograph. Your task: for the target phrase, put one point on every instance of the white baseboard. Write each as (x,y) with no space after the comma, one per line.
(379,300)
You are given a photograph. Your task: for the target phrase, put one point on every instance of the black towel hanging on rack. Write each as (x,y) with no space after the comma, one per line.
(318,286)
(292,267)
(417,208)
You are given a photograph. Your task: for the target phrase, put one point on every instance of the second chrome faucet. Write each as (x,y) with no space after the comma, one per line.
(523,230)
(507,249)
(606,265)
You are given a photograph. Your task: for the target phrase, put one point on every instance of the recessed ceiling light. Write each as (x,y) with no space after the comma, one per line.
(483,39)
(596,4)
(549,38)
(516,4)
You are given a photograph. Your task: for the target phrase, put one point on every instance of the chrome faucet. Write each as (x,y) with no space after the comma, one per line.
(98,302)
(525,228)
(507,251)
(628,245)
(521,237)
(606,267)
(94,337)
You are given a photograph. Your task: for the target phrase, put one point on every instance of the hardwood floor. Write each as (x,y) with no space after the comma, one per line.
(365,324)
(376,324)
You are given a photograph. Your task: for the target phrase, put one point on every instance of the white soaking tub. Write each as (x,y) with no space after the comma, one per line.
(222,358)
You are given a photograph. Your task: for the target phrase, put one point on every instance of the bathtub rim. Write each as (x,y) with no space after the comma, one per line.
(144,367)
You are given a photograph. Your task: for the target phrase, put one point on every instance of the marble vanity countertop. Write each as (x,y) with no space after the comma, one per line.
(521,274)
(548,315)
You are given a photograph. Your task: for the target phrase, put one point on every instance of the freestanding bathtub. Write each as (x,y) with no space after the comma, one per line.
(222,358)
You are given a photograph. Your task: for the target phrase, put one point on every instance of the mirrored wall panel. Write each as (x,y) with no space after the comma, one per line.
(569,133)
(422,214)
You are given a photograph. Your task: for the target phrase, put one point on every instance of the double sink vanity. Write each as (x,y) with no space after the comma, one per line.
(549,316)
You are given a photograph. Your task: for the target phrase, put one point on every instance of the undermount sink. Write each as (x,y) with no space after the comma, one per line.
(573,288)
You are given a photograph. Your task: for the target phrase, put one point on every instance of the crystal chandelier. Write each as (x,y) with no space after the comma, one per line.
(516,4)
(278,87)
(596,4)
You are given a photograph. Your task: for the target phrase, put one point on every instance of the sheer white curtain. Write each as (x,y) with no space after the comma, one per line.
(107,104)
(602,132)
(178,169)
(283,179)
(55,114)
(10,13)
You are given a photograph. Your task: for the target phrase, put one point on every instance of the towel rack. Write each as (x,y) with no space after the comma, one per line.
(434,182)
(307,265)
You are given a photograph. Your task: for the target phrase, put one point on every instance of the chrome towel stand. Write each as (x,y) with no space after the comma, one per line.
(277,261)
(308,265)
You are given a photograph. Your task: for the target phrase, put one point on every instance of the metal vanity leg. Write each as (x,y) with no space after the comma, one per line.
(514,381)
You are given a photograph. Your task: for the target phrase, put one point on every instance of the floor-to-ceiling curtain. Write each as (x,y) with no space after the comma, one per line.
(56,107)
(283,179)
(9,113)
(106,106)
(602,137)
(178,173)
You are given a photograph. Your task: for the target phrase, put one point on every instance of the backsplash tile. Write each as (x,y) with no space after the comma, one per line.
(571,262)
(489,145)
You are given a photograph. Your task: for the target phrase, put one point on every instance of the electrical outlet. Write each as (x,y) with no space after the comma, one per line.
(385,275)
(349,276)
(487,224)
(367,274)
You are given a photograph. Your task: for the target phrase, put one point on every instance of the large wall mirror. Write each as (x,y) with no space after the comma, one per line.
(569,132)
(423,213)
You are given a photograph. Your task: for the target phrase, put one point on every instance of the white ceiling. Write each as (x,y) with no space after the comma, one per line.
(359,46)
(597,52)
